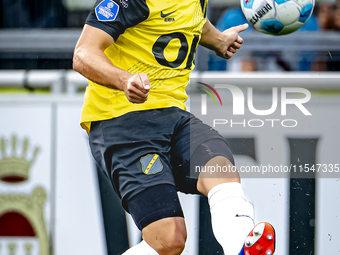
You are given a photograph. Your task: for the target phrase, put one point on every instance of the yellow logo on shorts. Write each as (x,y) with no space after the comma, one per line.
(151,164)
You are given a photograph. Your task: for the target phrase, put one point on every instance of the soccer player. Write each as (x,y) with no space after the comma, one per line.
(137,56)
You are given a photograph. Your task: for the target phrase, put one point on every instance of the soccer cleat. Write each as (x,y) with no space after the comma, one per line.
(261,240)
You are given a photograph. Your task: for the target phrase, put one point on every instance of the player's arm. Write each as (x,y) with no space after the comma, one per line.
(225,43)
(90,61)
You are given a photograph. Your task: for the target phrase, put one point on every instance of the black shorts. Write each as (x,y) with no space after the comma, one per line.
(143,149)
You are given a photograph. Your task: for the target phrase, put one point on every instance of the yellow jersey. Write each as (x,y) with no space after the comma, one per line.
(155,37)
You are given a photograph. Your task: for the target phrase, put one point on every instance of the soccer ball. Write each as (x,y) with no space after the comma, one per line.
(277,17)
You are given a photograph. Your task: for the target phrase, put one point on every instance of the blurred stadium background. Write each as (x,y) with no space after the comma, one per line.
(52,201)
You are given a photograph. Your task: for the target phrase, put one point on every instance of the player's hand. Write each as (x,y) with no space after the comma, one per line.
(231,41)
(137,88)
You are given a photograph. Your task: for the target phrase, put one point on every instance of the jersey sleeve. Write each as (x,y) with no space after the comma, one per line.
(114,16)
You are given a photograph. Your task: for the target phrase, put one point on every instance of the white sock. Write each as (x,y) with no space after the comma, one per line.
(226,201)
(143,248)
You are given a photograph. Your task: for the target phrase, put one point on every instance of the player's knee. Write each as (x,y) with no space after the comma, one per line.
(179,237)
(174,238)
(166,236)
(175,242)
(217,170)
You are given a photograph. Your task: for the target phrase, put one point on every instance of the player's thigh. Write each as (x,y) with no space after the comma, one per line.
(134,150)
(194,146)
(158,213)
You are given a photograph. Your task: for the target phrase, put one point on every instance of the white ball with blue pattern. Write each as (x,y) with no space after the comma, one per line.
(277,17)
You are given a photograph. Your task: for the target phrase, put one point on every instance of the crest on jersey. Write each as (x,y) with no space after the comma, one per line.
(151,164)
(107,10)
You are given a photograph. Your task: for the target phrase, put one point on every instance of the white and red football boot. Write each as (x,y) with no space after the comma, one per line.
(260,241)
